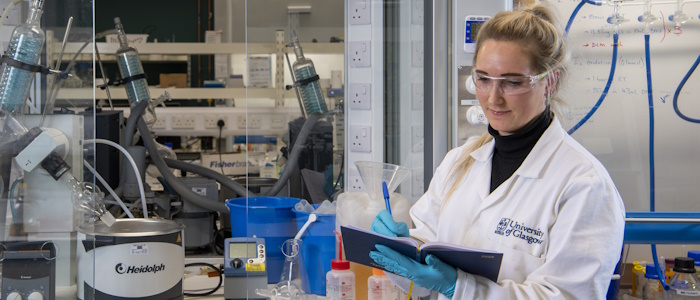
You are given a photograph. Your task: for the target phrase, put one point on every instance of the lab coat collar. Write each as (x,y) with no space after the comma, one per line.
(533,166)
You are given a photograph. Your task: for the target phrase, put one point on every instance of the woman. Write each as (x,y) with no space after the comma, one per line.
(525,188)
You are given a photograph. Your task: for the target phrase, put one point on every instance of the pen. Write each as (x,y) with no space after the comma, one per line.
(386,196)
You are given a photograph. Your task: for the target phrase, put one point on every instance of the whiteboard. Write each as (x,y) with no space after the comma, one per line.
(618,132)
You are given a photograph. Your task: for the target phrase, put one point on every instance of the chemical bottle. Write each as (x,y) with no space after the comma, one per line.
(309,88)
(24,46)
(652,288)
(695,255)
(340,281)
(668,263)
(684,285)
(639,281)
(380,287)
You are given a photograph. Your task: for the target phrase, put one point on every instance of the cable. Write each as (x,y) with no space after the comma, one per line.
(340,173)
(175,183)
(209,173)
(221,278)
(221,124)
(296,152)
(613,62)
(109,189)
(133,166)
(678,92)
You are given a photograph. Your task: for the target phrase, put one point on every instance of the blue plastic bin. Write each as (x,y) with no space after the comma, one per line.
(270,218)
(317,251)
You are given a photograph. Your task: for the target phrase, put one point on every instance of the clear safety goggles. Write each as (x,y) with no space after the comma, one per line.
(508,85)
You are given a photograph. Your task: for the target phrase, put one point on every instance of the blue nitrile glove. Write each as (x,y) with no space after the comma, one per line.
(384,224)
(435,275)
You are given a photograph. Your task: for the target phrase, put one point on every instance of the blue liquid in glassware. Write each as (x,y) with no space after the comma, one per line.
(136,90)
(311,93)
(15,82)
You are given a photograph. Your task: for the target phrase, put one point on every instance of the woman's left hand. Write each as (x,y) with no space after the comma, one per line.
(435,274)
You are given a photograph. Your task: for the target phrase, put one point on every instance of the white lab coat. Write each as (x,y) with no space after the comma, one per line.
(558,220)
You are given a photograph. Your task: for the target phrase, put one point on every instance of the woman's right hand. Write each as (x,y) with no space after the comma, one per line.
(384,224)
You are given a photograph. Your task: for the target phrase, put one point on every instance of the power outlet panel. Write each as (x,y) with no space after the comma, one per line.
(360,54)
(360,138)
(360,12)
(417,185)
(212,121)
(355,184)
(417,11)
(160,123)
(360,96)
(242,122)
(417,98)
(417,54)
(417,140)
(254,121)
(182,122)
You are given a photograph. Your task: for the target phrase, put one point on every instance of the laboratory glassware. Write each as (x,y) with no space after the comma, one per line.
(684,285)
(24,46)
(307,80)
(130,66)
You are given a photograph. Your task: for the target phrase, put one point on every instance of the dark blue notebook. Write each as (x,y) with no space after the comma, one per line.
(359,242)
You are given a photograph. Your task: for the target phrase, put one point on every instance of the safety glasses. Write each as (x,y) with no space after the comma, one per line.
(508,85)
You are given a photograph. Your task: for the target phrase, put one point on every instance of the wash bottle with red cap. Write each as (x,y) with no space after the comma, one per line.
(340,281)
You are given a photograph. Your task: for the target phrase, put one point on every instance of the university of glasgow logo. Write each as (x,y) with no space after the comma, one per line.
(502,225)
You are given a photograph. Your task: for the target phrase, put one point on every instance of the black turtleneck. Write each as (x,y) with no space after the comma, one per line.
(510,151)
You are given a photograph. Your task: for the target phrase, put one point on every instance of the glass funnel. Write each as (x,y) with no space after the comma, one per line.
(374,173)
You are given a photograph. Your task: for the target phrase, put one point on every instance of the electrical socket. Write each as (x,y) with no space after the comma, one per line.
(254,121)
(160,123)
(360,12)
(360,137)
(182,122)
(355,184)
(360,54)
(417,54)
(211,121)
(417,96)
(250,122)
(360,96)
(417,11)
(417,139)
(242,122)
(417,185)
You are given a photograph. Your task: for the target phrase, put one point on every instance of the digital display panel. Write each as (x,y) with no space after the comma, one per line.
(237,250)
(475,29)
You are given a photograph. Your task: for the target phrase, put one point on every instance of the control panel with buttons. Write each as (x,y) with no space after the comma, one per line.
(471,29)
(244,255)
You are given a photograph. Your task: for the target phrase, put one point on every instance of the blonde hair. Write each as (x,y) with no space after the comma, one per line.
(537,30)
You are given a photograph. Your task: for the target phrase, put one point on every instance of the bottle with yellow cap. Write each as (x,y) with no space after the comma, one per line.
(380,287)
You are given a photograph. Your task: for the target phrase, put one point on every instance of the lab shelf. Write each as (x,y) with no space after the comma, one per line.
(180,51)
(176,93)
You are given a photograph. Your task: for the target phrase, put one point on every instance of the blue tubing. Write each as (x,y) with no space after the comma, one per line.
(650,96)
(605,91)
(678,92)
